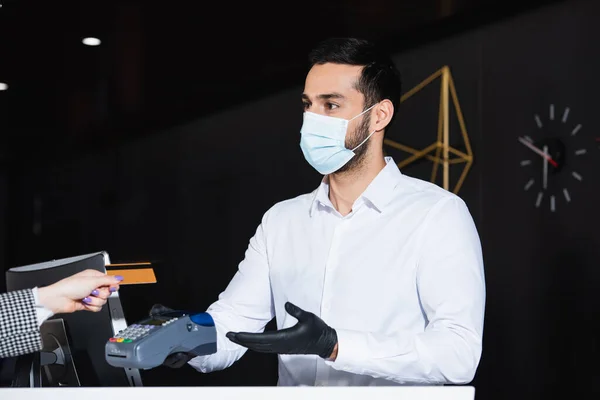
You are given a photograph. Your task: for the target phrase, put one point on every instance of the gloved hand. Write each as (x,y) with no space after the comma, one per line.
(175,360)
(158,309)
(309,336)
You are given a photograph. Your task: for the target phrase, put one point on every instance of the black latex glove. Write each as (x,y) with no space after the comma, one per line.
(309,336)
(159,309)
(175,360)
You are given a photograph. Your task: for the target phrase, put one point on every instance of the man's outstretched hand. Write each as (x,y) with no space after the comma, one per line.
(309,336)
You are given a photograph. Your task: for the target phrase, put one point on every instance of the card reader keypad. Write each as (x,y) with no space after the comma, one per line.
(137,331)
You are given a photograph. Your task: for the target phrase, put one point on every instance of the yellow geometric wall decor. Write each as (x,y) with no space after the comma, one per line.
(442,144)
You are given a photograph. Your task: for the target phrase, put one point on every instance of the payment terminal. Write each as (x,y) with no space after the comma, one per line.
(147,344)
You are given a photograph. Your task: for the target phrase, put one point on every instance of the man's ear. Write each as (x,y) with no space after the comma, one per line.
(383,114)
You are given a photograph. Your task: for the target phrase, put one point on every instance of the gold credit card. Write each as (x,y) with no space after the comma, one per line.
(134,276)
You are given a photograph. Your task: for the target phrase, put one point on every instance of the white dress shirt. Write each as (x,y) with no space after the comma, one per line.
(400,278)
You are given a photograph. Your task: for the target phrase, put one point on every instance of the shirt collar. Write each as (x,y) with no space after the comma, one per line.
(320,196)
(378,194)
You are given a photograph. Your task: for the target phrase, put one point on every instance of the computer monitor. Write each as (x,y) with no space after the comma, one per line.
(86,332)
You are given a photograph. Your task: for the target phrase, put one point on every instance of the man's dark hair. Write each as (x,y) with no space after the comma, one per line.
(379,80)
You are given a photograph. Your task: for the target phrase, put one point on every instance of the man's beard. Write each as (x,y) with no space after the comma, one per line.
(360,134)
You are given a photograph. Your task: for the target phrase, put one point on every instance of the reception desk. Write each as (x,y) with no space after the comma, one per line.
(244,393)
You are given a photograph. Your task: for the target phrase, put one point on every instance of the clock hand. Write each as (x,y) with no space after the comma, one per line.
(538,151)
(545,177)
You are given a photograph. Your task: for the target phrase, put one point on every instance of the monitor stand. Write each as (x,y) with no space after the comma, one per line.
(55,360)
(53,365)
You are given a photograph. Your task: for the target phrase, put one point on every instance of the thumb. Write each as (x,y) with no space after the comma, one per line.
(159,309)
(90,272)
(295,311)
(105,280)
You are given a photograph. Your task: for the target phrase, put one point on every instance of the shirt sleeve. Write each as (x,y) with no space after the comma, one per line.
(451,286)
(245,306)
(42,313)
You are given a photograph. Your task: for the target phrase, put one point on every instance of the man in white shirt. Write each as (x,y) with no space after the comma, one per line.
(375,278)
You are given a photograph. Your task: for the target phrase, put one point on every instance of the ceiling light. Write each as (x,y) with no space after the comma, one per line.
(91,41)
(3,86)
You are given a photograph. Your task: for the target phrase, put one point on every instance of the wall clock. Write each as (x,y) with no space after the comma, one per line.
(551,158)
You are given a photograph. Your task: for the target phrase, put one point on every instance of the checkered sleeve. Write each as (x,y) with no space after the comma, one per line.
(19,329)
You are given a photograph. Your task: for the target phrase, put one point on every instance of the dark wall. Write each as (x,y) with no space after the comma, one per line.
(545,264)
(3,226)
(541,265)
(189,199)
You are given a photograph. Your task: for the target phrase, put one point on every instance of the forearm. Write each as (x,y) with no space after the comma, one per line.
(19,327)
(437,356)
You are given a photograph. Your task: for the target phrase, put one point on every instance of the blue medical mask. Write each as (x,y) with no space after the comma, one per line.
(323,141)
